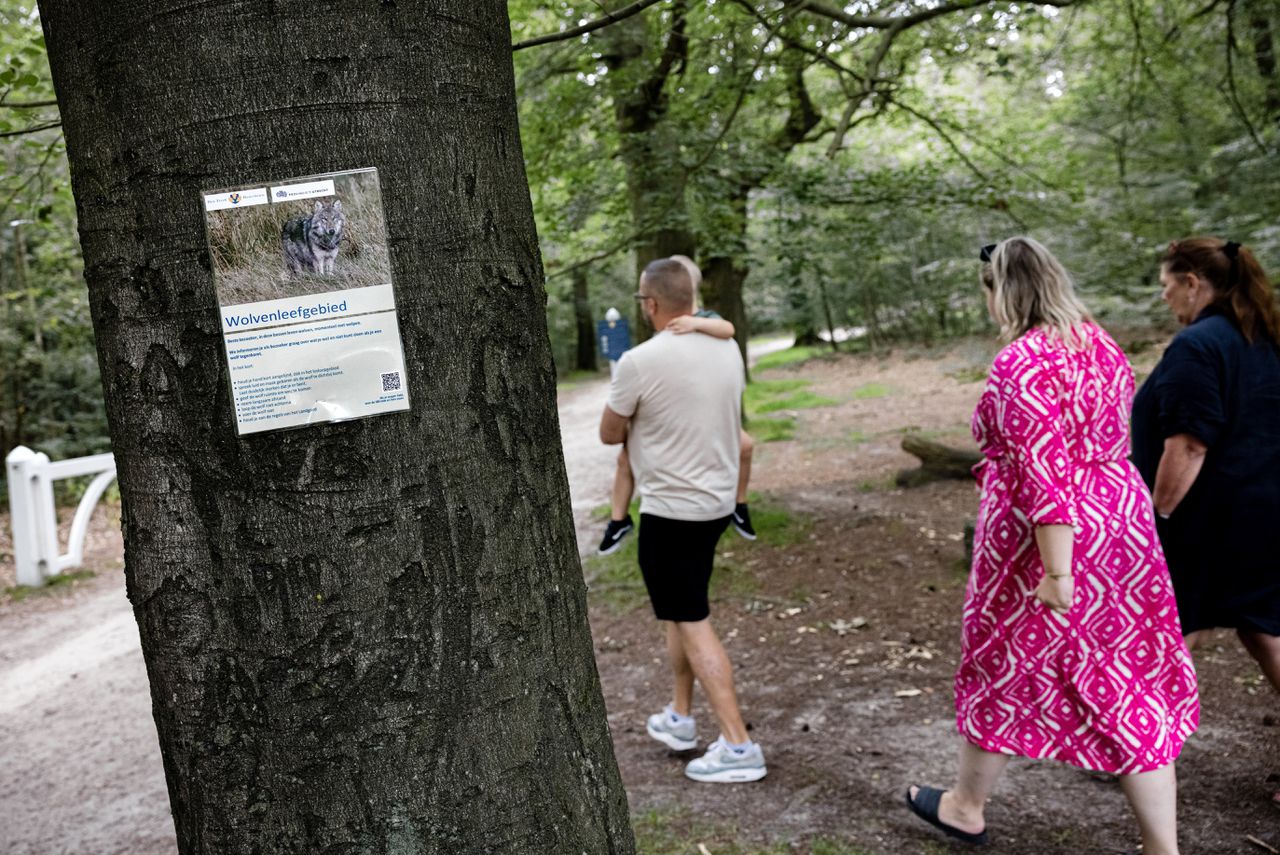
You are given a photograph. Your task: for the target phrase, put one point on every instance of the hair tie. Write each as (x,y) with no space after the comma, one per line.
(1232,249)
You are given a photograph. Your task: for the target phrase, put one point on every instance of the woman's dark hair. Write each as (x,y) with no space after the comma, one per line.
(1240,286)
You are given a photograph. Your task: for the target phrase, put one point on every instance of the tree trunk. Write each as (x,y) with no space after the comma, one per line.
(1264,55)
(648,145)
(586,358)
(368,636)
(722,290)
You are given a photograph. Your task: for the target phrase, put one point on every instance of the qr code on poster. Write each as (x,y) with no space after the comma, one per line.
(391,382)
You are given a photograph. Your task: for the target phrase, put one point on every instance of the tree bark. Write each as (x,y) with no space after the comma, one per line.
(722,290)
(586,355)
(368,636)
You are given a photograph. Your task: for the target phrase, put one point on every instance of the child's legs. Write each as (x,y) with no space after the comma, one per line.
(748,446)
(623,484)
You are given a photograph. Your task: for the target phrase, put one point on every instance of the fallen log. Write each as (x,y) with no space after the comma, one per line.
(938,462)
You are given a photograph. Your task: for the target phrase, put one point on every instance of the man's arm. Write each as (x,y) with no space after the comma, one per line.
(1179,466)
(613,427)
(714,327)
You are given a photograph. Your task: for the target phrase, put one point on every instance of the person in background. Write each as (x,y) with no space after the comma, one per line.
(682,426)
(709,323)
(1070,645)
(1206,437)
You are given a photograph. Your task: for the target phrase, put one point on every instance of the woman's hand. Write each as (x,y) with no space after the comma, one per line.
(1057,593)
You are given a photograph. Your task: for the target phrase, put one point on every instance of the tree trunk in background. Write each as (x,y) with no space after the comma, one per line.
(648,145)
(1264,54)
(722,290)
(368,636)
(586,356)
(725,274)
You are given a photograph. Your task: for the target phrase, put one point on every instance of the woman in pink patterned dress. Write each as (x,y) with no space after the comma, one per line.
(1071,647)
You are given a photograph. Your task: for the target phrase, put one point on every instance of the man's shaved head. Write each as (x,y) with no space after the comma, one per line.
(669,283)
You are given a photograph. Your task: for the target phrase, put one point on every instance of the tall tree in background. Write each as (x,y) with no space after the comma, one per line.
(368,636)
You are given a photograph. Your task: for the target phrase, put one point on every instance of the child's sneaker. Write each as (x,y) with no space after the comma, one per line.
(613,535)
(723,765)
(742,521)
(677,732)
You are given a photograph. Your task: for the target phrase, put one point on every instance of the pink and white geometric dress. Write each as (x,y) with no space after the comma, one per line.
(1109,685)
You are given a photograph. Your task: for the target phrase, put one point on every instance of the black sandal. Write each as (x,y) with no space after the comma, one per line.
(927,809)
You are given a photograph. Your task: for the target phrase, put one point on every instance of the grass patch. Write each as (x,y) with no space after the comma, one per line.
(614,581)
(871,390)
(969,374)
(773,429)
(790,356)
(870,486)
(771,396)
(18,593)
(574,379)
(774,524)
(760,392)
(675,831)
(802,400)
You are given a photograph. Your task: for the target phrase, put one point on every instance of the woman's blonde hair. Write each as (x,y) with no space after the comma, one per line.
(1032,289)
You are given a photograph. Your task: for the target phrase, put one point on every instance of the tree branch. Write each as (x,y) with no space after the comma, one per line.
(34,129)
(952,144)
(590,26)
(885,22)
(675,53)
(28,105)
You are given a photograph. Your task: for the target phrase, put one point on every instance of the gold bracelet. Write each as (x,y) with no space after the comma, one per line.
(1058,575)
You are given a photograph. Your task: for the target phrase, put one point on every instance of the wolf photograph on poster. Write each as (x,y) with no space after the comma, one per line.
(295,247)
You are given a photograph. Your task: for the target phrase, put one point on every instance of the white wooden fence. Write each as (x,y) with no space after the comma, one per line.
(34,517)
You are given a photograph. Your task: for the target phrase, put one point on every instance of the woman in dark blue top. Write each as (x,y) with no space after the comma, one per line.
(1206,438)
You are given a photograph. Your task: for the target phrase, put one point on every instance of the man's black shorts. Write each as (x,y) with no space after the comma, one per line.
(675,559)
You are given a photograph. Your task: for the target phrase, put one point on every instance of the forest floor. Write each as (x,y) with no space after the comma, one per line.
(842,621)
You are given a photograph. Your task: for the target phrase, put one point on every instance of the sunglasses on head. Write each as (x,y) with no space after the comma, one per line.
(984,254)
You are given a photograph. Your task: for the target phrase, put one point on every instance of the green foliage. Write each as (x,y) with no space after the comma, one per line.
(50,391)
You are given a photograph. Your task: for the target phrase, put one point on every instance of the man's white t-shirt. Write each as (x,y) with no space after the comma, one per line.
(683,394)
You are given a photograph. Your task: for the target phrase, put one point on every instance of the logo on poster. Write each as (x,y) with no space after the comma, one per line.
(244,198)
(282,194)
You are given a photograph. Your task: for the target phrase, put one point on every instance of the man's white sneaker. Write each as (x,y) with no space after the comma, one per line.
(722,765)
(676,735)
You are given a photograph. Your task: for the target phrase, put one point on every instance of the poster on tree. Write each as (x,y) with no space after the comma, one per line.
(303,277)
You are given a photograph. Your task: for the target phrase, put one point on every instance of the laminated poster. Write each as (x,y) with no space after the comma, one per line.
(309,321)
